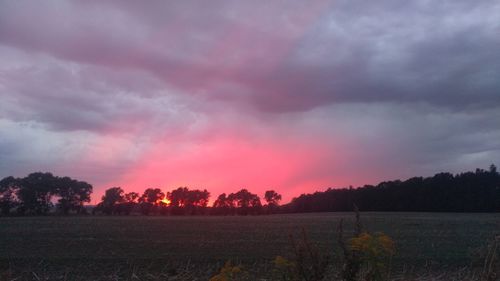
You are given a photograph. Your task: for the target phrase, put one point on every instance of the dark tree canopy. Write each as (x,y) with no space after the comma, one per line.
(272,197)
(152,196)
(8,197)
(223,202)
(246,199)
(477,191)
(186,201)
(132,197)
(73,194)
(112,197)
(150,200)
(273,201)
(35,194)
(242,202)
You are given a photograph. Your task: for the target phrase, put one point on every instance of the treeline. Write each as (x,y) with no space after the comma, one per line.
(43,193)
(184,201)
(39,193)
(477,191)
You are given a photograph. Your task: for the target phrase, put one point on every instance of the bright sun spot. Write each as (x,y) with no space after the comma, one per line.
(165,201)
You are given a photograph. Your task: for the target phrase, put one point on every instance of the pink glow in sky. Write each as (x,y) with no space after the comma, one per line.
(296,96)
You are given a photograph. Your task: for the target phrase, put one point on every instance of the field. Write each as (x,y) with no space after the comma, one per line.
(137,248)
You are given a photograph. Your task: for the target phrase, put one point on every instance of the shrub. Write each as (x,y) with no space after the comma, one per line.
(373,251)
(364,253)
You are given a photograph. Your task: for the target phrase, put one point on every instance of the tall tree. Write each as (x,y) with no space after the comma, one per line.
(247,202)
(8,199)
(272,197)
(112,197)
(273,200)
(150,200)
(128,204)
(178,197)
(72,195)
(186,201)
(152,195)
(35,193)
(221,205)
(221,201)
(493,169)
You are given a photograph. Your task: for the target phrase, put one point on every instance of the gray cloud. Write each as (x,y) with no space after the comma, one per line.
(440,53)
(414,85)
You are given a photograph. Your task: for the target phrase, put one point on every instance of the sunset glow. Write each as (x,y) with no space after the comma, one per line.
(165,201)
(295,96)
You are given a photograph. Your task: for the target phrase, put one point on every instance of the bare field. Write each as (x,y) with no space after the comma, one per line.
(93,247)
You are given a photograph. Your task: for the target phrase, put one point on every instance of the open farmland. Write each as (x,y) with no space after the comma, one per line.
(95,247)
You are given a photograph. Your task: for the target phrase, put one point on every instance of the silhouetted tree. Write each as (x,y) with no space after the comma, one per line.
(150,200)
(477,191)
(112,197)
(493,169)
(474,191)
(247,202)
(35,193)
(222,206)
(273,201)
(185,201)
(178,197)
(130,201)
(8,200)
(152,195)
(72,195)
(198,198)
(132,197)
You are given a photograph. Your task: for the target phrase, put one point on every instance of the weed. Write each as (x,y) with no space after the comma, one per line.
(351,259)
(228,273)
(307,262)
(373,251)
(285,269)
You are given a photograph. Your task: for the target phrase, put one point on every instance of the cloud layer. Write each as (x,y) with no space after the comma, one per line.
(288,95)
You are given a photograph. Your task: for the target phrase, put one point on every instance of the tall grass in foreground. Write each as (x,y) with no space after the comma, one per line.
(365,257)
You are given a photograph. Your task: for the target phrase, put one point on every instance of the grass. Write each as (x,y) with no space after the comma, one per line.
(138,248)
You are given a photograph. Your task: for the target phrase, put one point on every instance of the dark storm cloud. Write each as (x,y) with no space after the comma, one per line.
(442,53)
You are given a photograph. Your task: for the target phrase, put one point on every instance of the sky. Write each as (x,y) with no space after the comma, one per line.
(295,96)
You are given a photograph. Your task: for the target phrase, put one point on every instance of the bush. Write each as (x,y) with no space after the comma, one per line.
(366,256)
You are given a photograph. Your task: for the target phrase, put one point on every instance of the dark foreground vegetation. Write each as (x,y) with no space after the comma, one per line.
(427,246)
(477,191)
